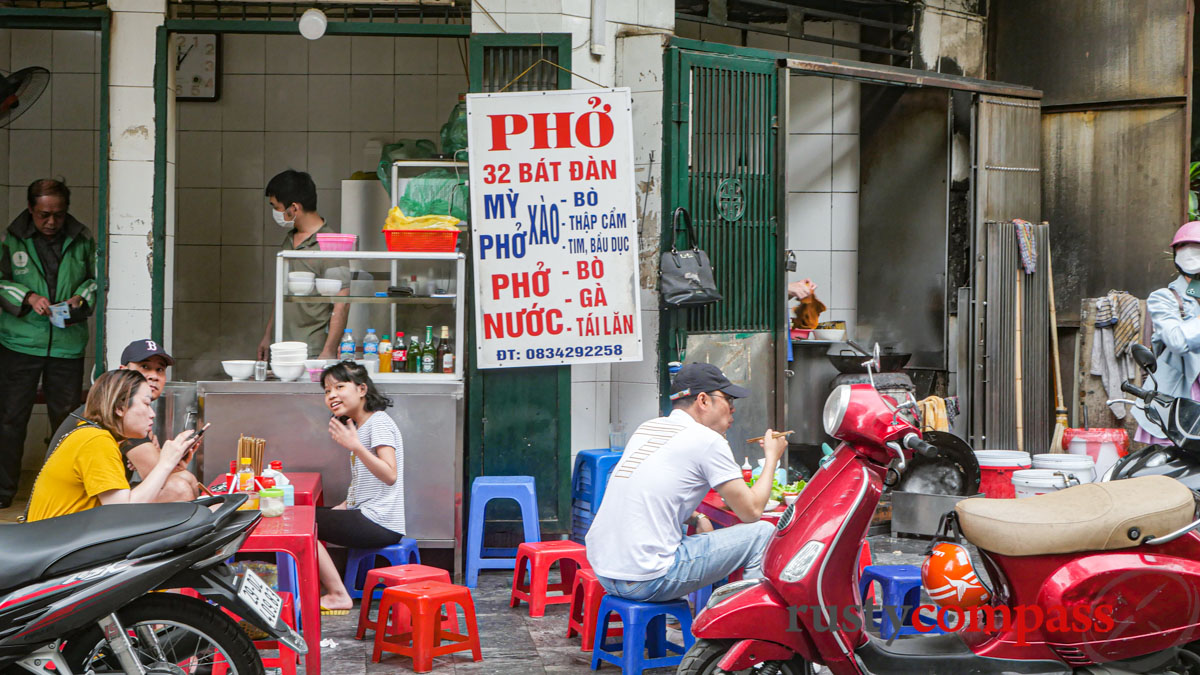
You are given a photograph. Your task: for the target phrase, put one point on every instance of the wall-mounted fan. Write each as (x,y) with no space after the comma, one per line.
(19,91)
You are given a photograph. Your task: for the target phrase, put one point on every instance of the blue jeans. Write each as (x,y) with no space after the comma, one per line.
(700,560)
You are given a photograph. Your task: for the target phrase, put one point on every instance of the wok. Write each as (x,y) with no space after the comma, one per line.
(954,471)
(848,361)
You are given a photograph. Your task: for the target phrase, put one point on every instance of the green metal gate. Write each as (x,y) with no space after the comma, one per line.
(519,419)
(720,150)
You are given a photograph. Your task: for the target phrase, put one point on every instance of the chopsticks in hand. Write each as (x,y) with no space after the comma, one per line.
(777,434)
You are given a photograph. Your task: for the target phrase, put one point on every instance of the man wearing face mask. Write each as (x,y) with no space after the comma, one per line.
(293,199)
(1175,316)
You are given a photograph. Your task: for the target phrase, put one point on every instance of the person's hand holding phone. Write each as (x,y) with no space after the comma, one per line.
(174,450)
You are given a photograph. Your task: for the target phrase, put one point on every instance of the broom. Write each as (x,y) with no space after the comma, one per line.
(1060,410)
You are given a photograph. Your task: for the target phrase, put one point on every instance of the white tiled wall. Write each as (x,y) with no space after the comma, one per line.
(286,103)
(57,137)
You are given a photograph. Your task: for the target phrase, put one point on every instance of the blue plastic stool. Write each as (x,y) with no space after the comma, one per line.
(699,598)
(359,561)
(484,489)
(589,479)
(644,628)
(287,581)
(901,587)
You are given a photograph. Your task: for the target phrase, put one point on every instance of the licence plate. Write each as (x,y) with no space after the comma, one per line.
(255,592)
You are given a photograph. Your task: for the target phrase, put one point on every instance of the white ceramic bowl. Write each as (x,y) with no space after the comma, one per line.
(829,334)
(288,372)
(772,504)
(301,275)
(239,370)
(290,344)
(300,287)
(286,362)
(329,286)
(289,351)
(790,499)
(314,364)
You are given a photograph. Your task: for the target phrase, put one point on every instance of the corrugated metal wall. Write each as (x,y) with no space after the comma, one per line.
(1008,186)
(1000,366)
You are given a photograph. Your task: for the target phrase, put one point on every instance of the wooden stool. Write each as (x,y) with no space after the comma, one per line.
(396,576)
(424,601)
(540,556)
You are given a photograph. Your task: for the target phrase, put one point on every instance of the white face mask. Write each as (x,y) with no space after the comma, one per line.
(281,218)
(1188,258)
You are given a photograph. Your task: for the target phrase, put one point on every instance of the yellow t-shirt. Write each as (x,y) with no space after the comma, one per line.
(86,464)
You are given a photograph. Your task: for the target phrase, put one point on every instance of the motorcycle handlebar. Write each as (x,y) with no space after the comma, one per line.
(1131,388)
(913,442)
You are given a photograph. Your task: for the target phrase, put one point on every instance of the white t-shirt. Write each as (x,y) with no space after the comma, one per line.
(382,503)
(669,464)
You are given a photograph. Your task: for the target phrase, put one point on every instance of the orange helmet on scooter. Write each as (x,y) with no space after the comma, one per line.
(950,578)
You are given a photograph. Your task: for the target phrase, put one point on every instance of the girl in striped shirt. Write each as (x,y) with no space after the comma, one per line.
(373,514)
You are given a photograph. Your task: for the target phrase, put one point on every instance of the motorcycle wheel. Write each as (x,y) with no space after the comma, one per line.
(704,655)
(172,634)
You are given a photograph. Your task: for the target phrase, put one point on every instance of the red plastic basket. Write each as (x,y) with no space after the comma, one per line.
(425,241)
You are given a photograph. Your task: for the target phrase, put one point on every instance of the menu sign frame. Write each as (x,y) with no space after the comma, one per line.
(554,228)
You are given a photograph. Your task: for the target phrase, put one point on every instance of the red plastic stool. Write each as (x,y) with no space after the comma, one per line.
(424,601)
(585,604)
(540,555)
(397,576)
(286,661)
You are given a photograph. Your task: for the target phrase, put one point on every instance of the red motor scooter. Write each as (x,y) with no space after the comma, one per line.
(1103,573)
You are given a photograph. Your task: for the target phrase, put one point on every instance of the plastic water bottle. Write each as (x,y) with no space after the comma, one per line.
(347,348)
(371,346)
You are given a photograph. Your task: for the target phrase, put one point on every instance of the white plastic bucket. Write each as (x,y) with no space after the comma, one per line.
(1002,458)
(1030,482)
(1080,466)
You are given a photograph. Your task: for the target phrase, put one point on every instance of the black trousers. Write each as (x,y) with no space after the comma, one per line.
(62,386)
(352,529)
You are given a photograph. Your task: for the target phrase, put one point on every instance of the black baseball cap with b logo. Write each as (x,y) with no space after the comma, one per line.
(697,378)
(140,350)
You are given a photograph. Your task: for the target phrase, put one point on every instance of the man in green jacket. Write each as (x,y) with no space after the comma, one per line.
(47,292)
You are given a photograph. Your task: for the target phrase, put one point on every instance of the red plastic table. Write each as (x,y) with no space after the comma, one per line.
(308,488)
(295,532)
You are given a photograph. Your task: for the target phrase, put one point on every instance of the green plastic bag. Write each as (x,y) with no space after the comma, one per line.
(454,131)
(438,192)
(405,148)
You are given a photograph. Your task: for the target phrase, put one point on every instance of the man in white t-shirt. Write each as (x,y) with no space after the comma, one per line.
(636,545)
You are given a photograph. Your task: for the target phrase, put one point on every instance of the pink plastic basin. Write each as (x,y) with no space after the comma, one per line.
(336,242)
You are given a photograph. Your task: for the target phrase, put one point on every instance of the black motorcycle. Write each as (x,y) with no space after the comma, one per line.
(1179,421)
(76,592)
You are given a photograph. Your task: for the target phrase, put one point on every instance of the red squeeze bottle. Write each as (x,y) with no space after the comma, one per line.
(747,472)
(231,477)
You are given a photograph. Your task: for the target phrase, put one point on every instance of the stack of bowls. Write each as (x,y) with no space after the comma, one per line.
(301,283)
(287,360)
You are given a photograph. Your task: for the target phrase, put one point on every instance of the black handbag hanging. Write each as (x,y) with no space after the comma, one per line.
(687,275)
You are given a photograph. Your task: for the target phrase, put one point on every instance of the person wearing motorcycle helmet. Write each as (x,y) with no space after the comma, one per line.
(1174,314)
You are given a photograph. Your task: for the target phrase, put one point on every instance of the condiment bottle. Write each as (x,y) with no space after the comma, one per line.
(270,502)
(245,476)
(231,477)
(747,471)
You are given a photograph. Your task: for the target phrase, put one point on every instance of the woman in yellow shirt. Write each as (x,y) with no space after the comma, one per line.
(87,469)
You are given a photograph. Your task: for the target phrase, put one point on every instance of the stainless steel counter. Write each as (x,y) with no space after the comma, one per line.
(293,419)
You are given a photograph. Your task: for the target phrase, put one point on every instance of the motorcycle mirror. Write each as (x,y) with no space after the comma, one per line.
(1144,357)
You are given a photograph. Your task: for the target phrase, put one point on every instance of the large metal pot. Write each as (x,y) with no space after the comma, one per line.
(848,361)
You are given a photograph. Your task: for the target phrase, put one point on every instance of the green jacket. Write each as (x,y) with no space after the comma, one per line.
(21,273)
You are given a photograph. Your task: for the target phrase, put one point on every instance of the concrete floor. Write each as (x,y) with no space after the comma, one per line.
(515,644)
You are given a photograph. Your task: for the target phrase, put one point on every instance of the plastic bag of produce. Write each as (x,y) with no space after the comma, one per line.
(437,192)
(405,148)
(396,220)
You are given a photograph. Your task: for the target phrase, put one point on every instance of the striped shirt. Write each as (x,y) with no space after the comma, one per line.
(382,503)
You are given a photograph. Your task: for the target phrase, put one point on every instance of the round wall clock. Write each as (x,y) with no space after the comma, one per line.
(197,66)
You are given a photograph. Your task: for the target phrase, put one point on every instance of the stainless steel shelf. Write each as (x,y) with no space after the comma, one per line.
(367,299)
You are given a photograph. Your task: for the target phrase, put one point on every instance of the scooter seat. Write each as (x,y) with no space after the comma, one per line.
(1088,517)
(55,546)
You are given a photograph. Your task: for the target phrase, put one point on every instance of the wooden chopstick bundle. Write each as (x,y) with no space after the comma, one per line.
(255,449)
(777,434)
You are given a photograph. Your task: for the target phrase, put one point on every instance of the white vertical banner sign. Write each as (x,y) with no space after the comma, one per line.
(554,228)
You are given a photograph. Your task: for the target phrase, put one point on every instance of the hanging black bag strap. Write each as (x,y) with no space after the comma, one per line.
(681,214)
(86,424)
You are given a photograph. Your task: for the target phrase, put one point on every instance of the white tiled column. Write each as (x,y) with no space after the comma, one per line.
(132,132)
